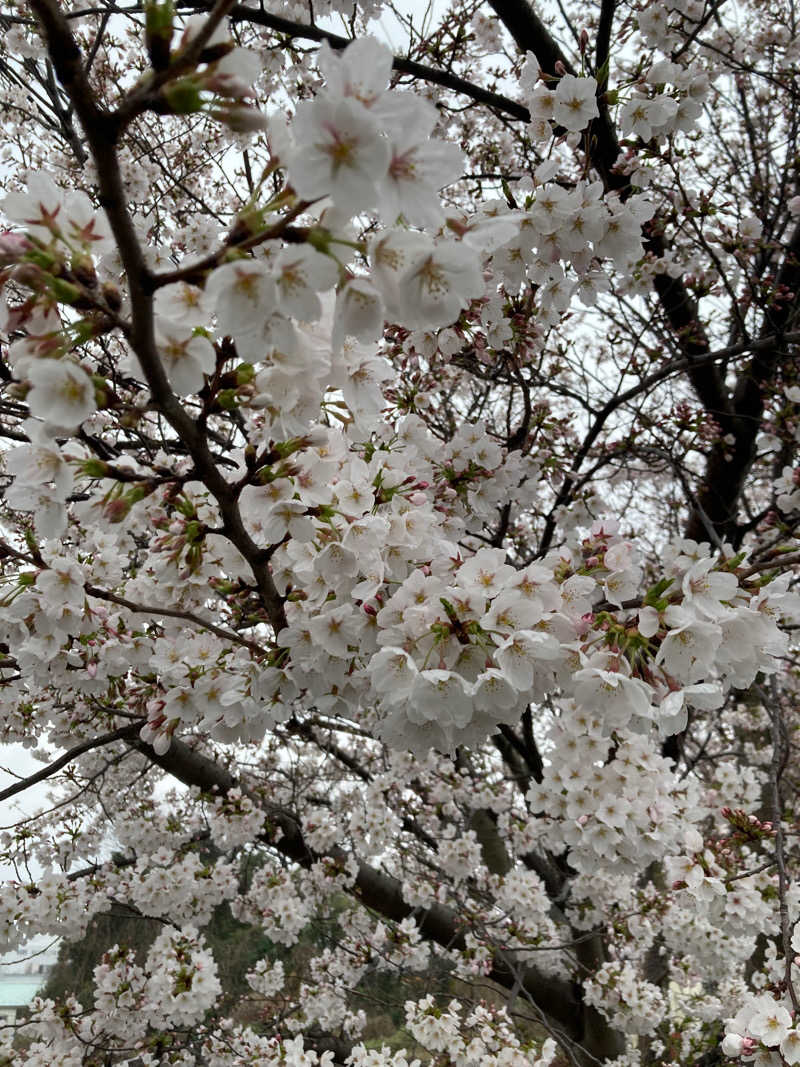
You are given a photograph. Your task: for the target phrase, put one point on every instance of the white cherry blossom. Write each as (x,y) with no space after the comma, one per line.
(575,103)
(339,152)
(62,393)
(435,287)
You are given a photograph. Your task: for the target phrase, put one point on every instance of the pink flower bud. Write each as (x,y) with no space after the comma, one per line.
(161,743)
(732,1045)
(12,246)
(228,85)
(241,119)
(116,510)
(316,437)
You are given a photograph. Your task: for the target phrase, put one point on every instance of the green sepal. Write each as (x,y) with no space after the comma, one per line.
(64,292)
(138,492)
(183,97)
(320,238)
(653,598)
(95,468)
(158,30)
(194,531)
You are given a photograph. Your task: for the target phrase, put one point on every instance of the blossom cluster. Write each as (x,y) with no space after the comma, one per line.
(764,1029)
(308,496)
(483,1036)
(628,1002)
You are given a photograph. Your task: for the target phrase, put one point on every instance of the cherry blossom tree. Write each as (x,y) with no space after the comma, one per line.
(400,524)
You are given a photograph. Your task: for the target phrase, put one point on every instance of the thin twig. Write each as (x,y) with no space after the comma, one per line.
(175,613)
(123,733)
(780,755)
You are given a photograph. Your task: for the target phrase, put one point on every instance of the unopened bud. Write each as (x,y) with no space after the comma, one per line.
(138,492)
(27,274)
(95,468)
(241,119)
(83,270)
(111,295)
(12,247)
(183,97)
(158,33)
(64,292)
(117,510)
(228,85)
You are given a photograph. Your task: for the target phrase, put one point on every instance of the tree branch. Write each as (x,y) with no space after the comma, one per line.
(531,35)
(124,733)
(729,465)
(601,417)
(101,132)
(298,30)
(376,890)
(603,44)
(175,613)
(602,148)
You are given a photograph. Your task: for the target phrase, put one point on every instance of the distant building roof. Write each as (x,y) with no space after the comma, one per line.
(18,990)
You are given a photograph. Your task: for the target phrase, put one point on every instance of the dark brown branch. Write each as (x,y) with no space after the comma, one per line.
(531,35)
(195,273)
(376,890)
(603,44)
(729,464)
(102,131)
(123,734)
(602,147)
(601,417)
(780,757)
(304,730)
(297,30)
(175,613)
(147,92)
